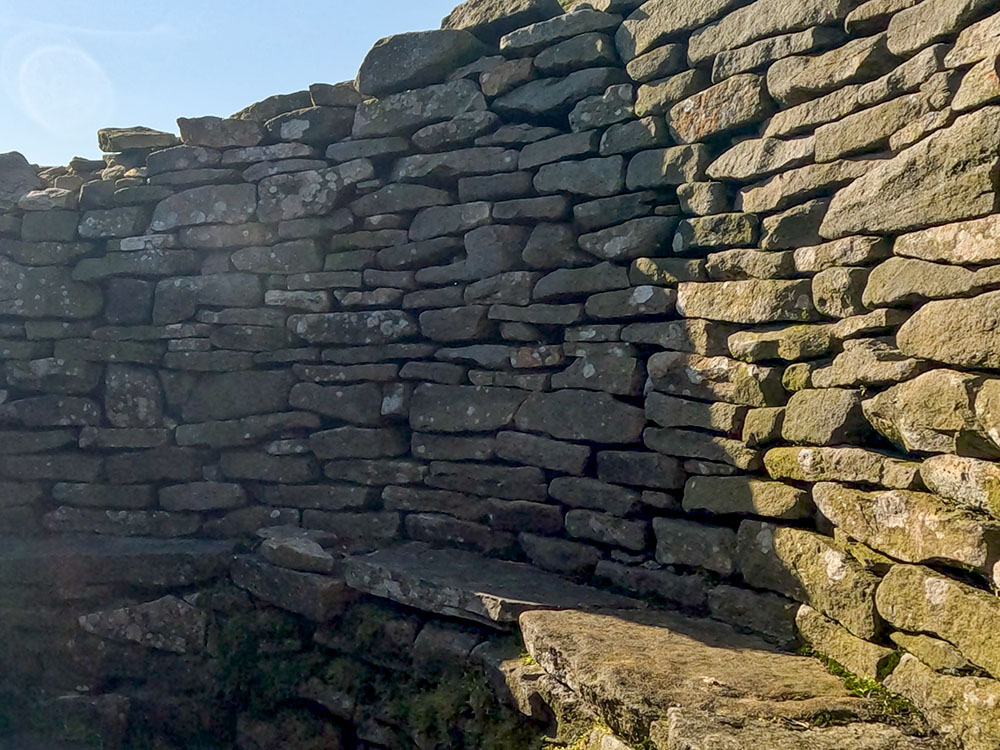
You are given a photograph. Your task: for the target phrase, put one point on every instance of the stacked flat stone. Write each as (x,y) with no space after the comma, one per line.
(695,300)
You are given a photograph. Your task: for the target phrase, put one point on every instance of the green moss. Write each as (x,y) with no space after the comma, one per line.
(890,705)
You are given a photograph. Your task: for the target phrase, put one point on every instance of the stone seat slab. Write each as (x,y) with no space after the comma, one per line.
(684,729)
(635,666)
(468,586)
(75,563)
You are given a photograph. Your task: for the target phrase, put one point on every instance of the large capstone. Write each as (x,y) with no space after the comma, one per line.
(415,59)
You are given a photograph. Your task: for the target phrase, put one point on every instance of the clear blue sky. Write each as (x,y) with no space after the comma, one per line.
(69,67)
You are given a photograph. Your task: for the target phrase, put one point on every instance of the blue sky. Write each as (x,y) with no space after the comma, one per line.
(69,67)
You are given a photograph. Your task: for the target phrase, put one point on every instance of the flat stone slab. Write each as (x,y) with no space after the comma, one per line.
(685,729)
(469,586)
(72,563)
(638,665)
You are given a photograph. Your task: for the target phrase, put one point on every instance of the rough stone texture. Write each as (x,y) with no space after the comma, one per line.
(931,413)
(549,97)
(840,464)
(656,21)
(794,80)
(442,408)
(409,61)
(907,191)
(967,482)
(759,157)
(693,544)
(463,585)
(17,179)
(581,415)
(918,599)
(640,666)
(954,332)
(213,204)
(684,728)
(913,28)
(762,19)
(735,102)
(964,243)
(754,301)
(166,624)
(746,496)
(491,19)
(408,111)
(316,597)
(827,416)
(826,637)
(812,569)
(910,526)
(44,292)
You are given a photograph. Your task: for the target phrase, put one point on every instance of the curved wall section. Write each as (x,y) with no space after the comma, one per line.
(695,300)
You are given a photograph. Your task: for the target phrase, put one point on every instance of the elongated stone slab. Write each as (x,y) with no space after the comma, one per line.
(636,666)
(948,176)
(841,464)
(915,527)
(685,728)
(464,585)
(918,599)
(752,301)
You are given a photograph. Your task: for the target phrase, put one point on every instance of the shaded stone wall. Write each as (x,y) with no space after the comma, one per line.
(693,300)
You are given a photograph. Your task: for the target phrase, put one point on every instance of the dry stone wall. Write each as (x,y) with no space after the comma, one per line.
(698,301)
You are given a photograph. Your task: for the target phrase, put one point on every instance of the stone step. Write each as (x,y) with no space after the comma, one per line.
(686,729)
(468,586)
(633,667)
(72,564)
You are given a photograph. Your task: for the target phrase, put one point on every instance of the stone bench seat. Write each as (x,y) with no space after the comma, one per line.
(468,586)
(694,684)
(73,563)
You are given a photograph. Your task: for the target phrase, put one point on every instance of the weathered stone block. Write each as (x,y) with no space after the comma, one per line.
(736,102)
(752,301)
(842,464)
(715,378)
(409,61)
(918,599)
(664,167)
(689,543)
(212,204)
(698,445)
(535,450)
(812,569)
(408,111)
(640,469)
(824,417)
(914,527)
(608,530)
(931,413)
(908,191)
(442,408)
(746,495)
(581,415)
(354,328)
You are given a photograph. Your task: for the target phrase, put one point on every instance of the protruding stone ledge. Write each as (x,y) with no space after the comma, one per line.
(470,587)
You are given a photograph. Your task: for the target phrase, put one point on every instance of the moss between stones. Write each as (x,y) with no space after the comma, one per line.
(893,708)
